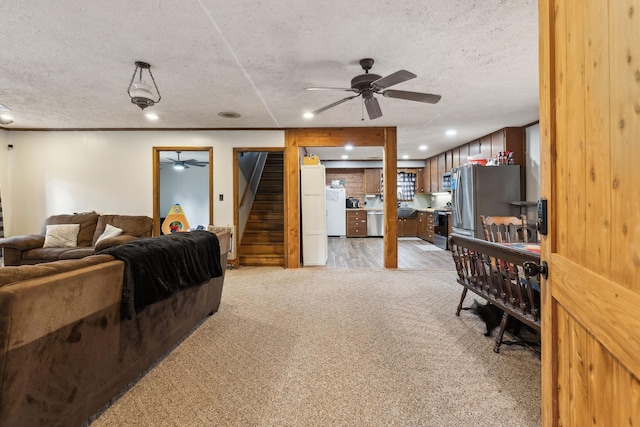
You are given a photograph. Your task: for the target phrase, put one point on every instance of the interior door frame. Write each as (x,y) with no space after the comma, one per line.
(236,196)
(156,181)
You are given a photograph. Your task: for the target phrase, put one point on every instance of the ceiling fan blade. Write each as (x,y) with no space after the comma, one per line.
(393,79)
(332,88)
(373,108)
(196,163)
(173,160)
(320,110)
(412,96)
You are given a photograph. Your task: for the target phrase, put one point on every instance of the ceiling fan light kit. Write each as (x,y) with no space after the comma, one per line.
(140,91)
(179,164)
(366,85)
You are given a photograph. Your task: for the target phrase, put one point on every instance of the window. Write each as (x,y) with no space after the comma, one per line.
(406,186)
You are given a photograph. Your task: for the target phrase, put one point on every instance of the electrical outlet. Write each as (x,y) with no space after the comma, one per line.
(221,197)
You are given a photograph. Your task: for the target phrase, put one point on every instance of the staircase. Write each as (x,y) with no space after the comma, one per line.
(262,242)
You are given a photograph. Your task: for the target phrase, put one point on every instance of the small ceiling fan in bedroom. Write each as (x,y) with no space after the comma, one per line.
(369,84)
(182,164)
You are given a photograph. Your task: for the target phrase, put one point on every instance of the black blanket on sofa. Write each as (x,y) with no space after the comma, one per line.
(156,267)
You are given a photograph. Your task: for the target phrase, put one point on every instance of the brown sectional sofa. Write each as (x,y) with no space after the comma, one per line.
(65,348)
(28,249)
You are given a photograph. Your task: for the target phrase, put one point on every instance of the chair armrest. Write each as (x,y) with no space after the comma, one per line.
(114,241)
(23,243)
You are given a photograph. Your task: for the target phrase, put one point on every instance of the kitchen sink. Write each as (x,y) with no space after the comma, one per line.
(406,212)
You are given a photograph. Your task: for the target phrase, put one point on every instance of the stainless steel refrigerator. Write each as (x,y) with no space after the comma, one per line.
(483,190)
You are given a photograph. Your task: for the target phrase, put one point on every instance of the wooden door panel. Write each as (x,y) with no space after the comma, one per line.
(590,124)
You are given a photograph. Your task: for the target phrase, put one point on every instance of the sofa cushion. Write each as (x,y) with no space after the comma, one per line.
(133,225)
(76,253)
(87,221)
(44,254)
(25,272)
(61,236)
(109,231)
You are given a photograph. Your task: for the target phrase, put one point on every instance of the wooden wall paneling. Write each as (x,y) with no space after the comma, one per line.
(624,25)
(391,199)
(573,156)
(291,200)
(598,155)
(337,137)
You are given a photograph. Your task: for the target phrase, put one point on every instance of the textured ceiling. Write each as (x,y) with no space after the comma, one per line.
(67,64)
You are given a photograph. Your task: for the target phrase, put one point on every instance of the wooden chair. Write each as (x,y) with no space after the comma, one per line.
(505,229)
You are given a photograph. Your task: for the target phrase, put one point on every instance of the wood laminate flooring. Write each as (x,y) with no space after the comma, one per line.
(367,252)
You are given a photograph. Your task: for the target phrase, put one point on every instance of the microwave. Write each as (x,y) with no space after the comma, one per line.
(447,181)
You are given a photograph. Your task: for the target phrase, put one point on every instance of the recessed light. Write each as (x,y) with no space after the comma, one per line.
(348,147)
(307,115)
(229,115)
(152,116)
(405,156)
(451,132)
(423,148)
(344,156)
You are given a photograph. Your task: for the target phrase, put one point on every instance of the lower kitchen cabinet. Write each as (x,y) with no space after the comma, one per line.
(407,227)
(356,223)
(425,226)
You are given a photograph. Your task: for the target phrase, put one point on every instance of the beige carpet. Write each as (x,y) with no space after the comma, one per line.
(318,347)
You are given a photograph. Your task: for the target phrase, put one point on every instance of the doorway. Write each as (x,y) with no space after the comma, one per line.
(183,176)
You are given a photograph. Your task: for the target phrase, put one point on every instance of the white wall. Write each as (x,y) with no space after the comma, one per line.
(189,188)
(532,159)
(107,171)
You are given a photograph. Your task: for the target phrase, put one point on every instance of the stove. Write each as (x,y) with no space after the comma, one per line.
(441,228)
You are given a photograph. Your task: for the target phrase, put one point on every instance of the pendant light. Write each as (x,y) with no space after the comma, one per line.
(140,91)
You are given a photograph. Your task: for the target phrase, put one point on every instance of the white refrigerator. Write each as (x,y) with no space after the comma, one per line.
(336,211)
(314,223)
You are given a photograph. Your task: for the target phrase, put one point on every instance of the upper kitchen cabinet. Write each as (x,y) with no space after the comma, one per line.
(485,147)
(434,177)
(509,139)
(423,179)
(474,148)
(373,181)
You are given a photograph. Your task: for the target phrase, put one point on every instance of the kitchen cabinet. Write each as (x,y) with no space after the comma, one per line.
(423,179)
(422,225)
(485,147)
(407,227)
(373,181)
(509,139)
(455,154)
(474,147)
(435,178)
(357,223)
(429,226)
(426,176)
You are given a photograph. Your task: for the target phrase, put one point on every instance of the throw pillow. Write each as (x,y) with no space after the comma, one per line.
(109,231)
(61,236)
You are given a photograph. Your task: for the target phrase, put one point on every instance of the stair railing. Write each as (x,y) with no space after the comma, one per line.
(253,181)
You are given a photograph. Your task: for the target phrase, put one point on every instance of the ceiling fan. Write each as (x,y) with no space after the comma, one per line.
(369,84)
(183,164)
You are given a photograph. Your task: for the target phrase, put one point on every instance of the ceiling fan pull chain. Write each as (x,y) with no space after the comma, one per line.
(362,110)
